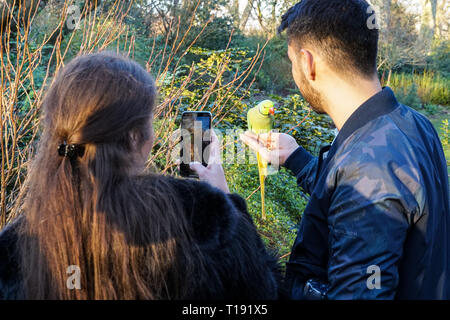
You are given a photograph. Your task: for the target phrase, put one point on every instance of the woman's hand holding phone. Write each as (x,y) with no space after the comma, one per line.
(213,173)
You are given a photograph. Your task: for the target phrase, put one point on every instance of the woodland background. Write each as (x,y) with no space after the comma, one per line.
(221,56)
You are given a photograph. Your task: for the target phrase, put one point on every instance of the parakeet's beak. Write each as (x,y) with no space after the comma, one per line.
(272,111)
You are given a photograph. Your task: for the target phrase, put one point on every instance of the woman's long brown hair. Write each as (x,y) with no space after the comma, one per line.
(124,231)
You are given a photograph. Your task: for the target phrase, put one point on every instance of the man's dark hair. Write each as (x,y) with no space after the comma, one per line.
(339,28)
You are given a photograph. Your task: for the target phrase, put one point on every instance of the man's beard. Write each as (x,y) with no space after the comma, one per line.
(311,95)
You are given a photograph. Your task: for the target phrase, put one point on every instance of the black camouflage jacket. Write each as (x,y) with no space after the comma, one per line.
(377,225)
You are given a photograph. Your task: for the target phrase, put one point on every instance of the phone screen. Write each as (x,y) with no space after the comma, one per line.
(195,137)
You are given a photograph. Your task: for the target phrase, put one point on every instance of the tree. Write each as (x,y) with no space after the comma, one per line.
(399,42)
(246,14)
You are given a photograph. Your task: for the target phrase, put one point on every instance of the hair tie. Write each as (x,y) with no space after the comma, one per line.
(70,150)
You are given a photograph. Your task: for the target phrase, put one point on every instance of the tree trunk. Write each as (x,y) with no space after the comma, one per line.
(274,17)
(246,14)
(235,13)
(174,8)
(9,12)
(433,13)
(428,22)
(260,16)
(387,12)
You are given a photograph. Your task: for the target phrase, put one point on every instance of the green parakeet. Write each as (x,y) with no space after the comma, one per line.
(260,119)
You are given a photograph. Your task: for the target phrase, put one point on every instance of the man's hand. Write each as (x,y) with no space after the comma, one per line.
(273,147)
(213,173)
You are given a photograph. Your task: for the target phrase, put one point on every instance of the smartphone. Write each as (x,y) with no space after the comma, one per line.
(195,139)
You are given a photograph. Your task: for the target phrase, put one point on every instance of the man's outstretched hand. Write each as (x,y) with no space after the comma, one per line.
(273,147)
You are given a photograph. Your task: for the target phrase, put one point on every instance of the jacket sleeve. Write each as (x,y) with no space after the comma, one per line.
(239,266)
(304,166)
(368,230)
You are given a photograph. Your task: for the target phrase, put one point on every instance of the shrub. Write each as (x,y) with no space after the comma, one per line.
(408,96)
(425,88)
(439,59)
(445,134)
(275,74)
(284,203)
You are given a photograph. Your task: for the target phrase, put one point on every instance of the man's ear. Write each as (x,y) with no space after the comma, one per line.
(308,64)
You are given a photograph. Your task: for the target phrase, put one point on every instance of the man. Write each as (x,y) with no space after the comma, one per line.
(377,225)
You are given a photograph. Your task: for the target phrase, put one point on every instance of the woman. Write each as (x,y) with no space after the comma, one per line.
(91,215)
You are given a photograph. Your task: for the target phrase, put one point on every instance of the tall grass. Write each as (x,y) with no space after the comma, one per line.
(431,88)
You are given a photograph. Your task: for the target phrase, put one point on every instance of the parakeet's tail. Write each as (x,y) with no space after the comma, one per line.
(263,210)
(262,170)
